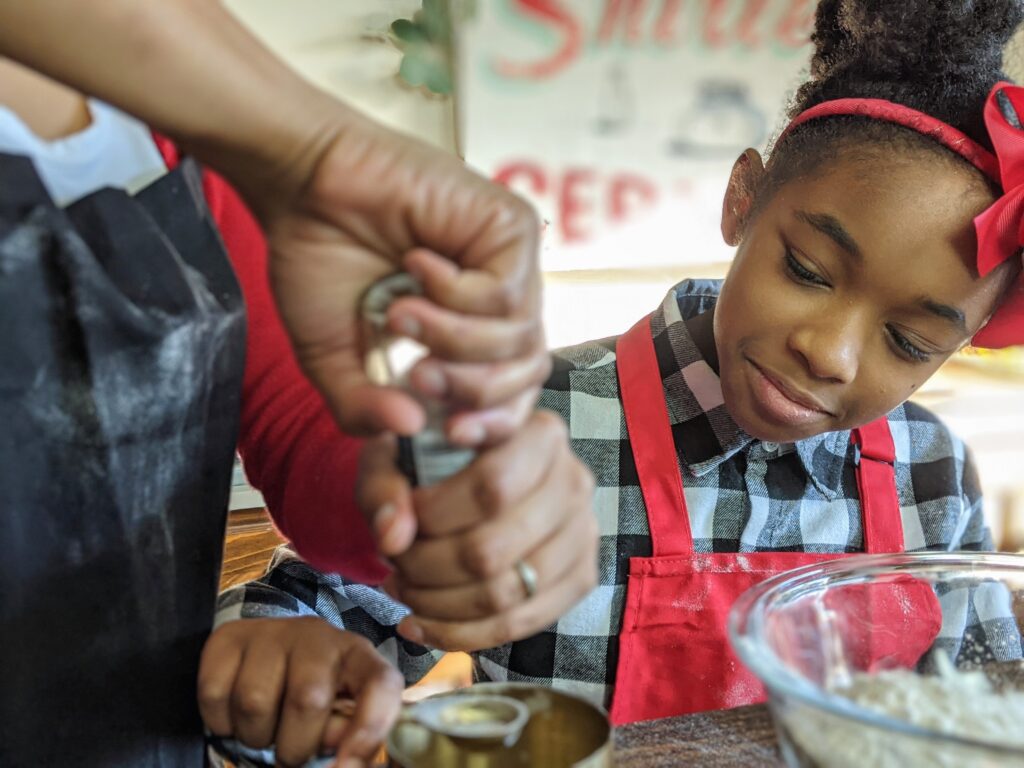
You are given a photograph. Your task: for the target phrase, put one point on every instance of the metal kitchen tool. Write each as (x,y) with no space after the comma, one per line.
(426,458)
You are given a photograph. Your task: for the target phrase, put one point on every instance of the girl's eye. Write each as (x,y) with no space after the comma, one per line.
(906,349)
(802,274)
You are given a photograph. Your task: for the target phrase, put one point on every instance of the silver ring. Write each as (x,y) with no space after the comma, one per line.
(527,575)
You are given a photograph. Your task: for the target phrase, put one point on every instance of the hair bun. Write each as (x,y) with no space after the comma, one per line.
(915,38)
(938,56)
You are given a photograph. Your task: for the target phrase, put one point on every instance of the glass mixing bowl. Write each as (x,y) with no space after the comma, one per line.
(867,662)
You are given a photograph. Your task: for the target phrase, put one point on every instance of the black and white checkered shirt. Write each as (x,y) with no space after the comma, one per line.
(743,495)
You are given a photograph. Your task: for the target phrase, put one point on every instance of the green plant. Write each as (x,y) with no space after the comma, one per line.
(426,44)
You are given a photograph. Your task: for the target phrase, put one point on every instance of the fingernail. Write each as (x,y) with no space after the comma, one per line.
(384,517)
(438,264)
(411,631)
(431,381)
(409,326)
(414,268)
(385,514)
(468,433)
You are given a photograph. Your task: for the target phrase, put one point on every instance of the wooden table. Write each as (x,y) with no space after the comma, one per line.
(249,542)
(733,738)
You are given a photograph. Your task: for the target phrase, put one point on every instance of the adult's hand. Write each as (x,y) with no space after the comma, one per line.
(459,547)
(377,202)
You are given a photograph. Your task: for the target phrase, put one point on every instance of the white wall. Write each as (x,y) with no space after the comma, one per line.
(342,46)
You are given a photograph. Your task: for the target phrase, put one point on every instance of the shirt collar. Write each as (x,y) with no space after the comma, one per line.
(708,436)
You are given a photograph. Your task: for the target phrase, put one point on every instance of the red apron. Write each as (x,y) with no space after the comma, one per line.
(674,652)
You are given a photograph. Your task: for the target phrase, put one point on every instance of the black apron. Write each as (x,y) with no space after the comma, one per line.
(122,335)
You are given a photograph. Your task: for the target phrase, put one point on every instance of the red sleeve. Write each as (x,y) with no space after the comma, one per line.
(293,451)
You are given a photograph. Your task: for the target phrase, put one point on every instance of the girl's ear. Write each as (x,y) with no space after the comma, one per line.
(744,181)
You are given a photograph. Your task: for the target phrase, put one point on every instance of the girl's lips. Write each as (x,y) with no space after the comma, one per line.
(781,404)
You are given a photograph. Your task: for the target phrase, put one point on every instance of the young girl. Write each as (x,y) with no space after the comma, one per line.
(759,424)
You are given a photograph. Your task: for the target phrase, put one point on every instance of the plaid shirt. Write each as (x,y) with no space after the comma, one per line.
(743,495)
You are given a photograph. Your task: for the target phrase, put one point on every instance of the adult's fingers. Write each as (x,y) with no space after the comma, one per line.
(552,561)
(384,495)
(471,291)
(490,400)
(523,620)
(497,479)
(492,546)
(479,429)
(458,337)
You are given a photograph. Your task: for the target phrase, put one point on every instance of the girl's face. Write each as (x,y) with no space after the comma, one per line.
(849,290)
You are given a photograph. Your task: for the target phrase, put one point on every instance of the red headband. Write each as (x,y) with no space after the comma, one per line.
(1000,228)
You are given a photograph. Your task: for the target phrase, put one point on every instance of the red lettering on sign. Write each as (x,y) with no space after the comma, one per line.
(583,198)
(572,208)
(534,174)
(665,26)
(551,14)
(714,31)
(746,28)
(630,12)
(628,194)
(750,24)
(797,23)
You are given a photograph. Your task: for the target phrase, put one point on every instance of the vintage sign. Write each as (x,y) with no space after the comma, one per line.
(620,119)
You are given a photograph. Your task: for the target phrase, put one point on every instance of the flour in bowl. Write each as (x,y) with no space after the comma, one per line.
(963,704)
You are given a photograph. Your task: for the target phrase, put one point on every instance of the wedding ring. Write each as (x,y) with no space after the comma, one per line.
(527,575)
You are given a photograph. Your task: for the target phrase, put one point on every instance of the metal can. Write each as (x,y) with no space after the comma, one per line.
(561,730)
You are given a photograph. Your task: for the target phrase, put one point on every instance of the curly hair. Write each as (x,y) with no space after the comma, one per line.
(941,57)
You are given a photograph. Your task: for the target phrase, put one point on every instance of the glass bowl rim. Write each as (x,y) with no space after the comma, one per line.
(747,616)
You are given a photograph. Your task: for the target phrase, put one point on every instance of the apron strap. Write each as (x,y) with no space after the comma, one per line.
(876,481)
(650,435)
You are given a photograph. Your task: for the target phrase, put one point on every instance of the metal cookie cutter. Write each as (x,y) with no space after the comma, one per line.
(426,458)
